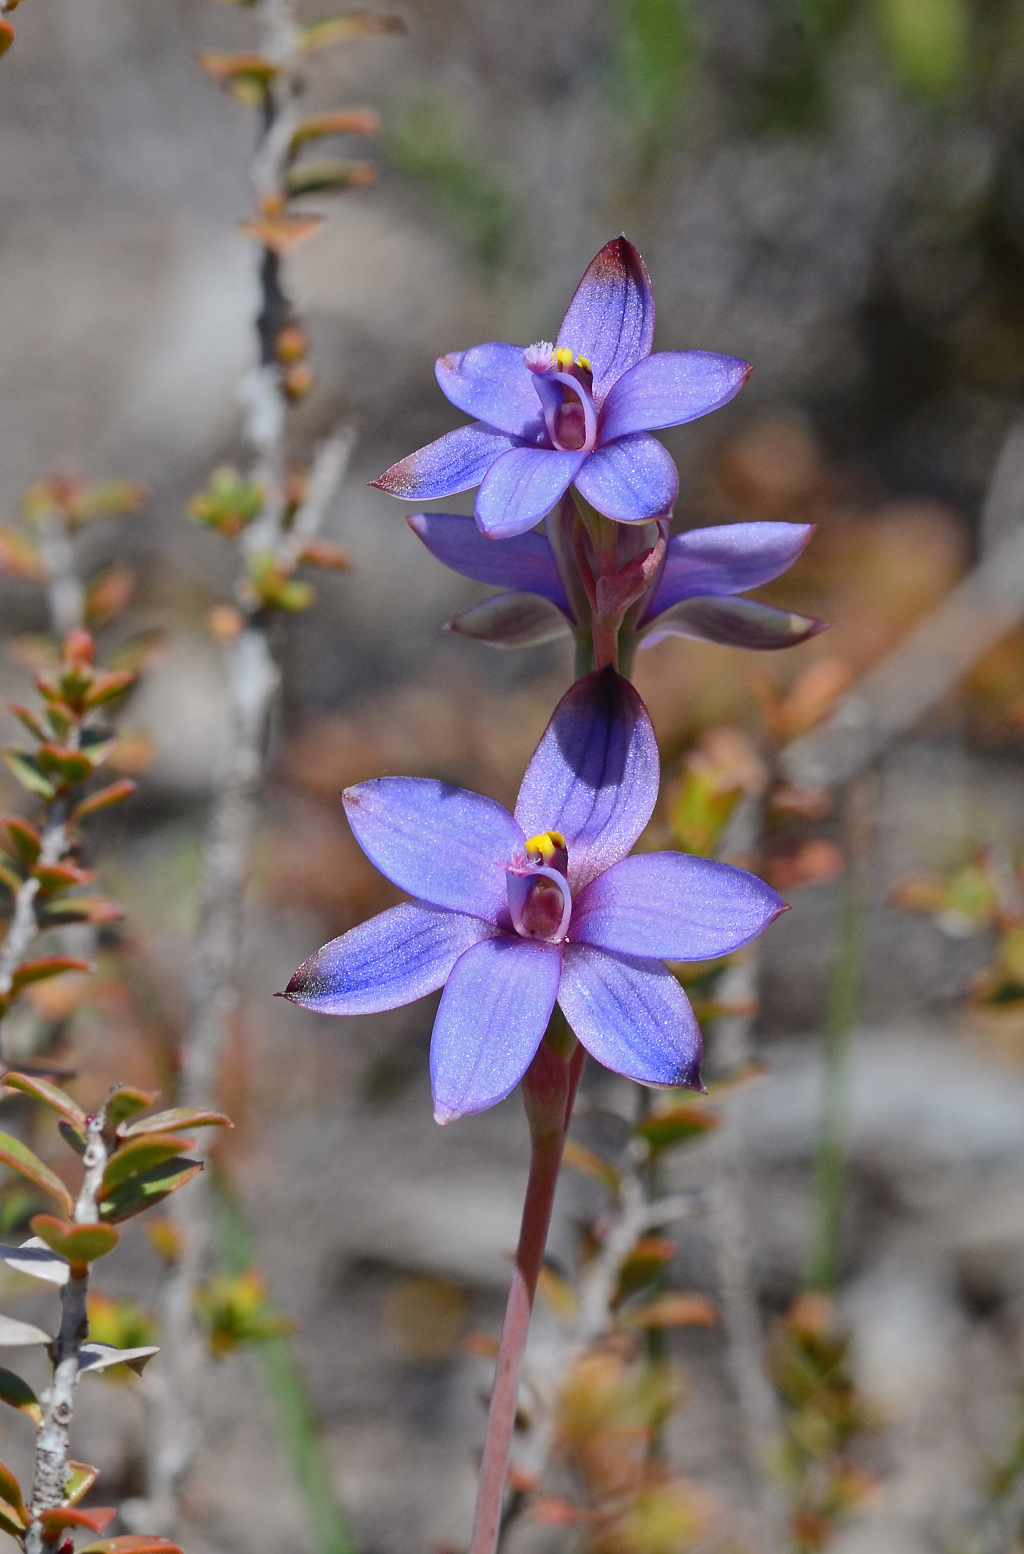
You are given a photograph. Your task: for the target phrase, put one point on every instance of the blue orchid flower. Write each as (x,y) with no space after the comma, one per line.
(515,912)
(692,592)
(577,412)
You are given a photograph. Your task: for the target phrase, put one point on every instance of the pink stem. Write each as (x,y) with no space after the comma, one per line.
(549,1089)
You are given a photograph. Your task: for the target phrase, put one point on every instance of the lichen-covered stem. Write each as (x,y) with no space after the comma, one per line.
(53,1438)
(549,1089)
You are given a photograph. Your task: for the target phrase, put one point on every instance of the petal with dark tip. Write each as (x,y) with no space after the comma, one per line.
(594,776)
(455,462)
(632,480)
(631,1015)
(388,961)
(610,319)
(445,845)
(492,1016)
(670,906)
(669,388)
(511,620)
(734,623)
(521,487)
(727,559)
(525,563)
(492,383)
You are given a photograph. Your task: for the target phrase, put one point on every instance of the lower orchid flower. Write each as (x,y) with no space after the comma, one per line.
(691,592)
(514,913)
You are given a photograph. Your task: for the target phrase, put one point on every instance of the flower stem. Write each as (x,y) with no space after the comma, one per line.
(549,1089)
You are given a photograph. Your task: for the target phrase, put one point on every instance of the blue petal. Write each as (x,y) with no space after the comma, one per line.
(491,383)
(390,960)
(493,1013)
(632,480)
(631,1015)
(525,564)
(727,559)
(522,487)
(732,622)
(669,388)
(455,462)
(670,906)
(594,775)
(610,319)
(443,844)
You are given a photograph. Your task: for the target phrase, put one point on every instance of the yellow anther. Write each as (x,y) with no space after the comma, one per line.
(584,362)
(563,357)
(548,849)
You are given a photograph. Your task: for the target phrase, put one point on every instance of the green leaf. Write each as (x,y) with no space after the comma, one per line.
(83,909)
(112,794)
(78,1243)
(72,1137)
(9,878)
(340,121)
(679,1125)
(125,1102)
(25,838)
(49,1094)
(139,1155)
(18,1394)
(108,687)
(177,1117)
(21,1159)
(343,28)
(8,1516)
(24,768)
(10,1491)
(328,175)
(40,970)
(81,1478)
(581,1159)
(151,1187)
(108,499)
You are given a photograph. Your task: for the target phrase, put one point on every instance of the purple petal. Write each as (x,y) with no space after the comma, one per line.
(669,388)
(727,559)
(511,620)
(455,462)
(734,623)
(493,1013)
(522,487)
(632,480)
(525,563)
(631,1015)
(385,962)
(594,775)
(610,319)
(443,844)
(491,383)
(670,906)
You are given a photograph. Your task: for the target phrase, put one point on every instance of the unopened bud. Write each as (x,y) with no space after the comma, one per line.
(79,648)
(292,344)
(297,383)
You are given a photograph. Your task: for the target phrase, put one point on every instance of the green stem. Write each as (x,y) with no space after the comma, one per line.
(843,1007)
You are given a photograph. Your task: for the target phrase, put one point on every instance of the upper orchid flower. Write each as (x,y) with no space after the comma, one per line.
(515,912)
(579,411)
(690,591)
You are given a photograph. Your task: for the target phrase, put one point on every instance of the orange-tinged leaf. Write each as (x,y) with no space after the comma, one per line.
(133,1543)
(50,966)
(78,1243)
(141,1154)
(125,1102)
(24,837)
(59,876)
(10,1492)
(680,1310)
(98,1519)
(148,1188)
(282,234)
(81,1477)
(18,555)
(224,67)
(176,1117)
(328,175)
(324,553)
(103,798)
(21,1159)
(343,121)
(50,1095)
(6,35)
(18,1394)
(677,1125)
(106,687)
(482,1346)
(343,28)
(579,1158)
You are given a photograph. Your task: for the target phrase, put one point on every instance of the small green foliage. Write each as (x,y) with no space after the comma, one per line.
(234,1309)
(229,503)
(140,1155)
(76,502)
(23,1160)
(18,1394)
(274,588)
(430,137)
(79,1244)
(346,27)
(147,1189)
